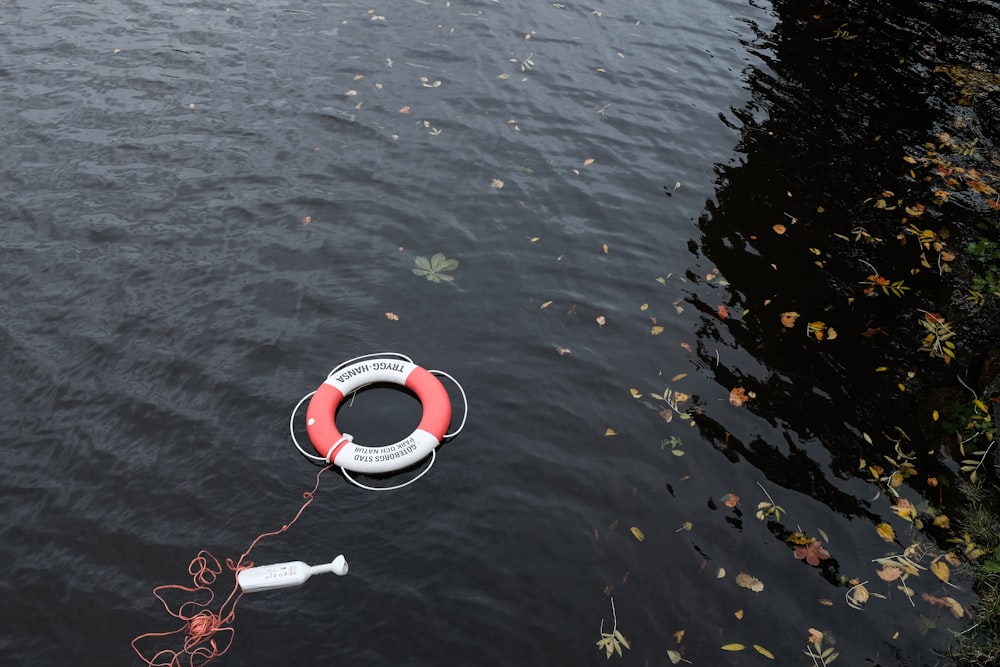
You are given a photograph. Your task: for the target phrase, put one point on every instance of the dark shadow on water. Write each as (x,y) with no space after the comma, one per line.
(851,105)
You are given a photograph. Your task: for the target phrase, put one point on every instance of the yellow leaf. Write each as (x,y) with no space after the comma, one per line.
(644,307)
(679,376)
(504,76)
(679,636)
(605,248)
(941,571)
(611,431)
(886,532)
(826,602)
(674,656)
(955,607)
(546,304)
(638,534)
(635,392)
(763,651)
(881,369)
(733,647)
(588,161)
(738,614)
(656,330)
(935,416)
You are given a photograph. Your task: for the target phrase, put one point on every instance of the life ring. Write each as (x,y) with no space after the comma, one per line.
(341,450)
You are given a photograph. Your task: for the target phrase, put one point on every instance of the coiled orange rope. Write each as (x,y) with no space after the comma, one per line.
(207,634)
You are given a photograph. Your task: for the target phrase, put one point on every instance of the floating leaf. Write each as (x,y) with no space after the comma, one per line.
(674,656)
(496,183)
(601,320)
(889,573)
(745,580)
(940,570)
(588,161)
(655,330)
(433,269)
(679,636)
(779,229)
(722,311)
(955,607)
(738,614)
(788,319)
(738,396)
(763,651)
(720,573)
(886,532)
(635,393)
(391,316)
(857,595)
(730,500)
(733,647)
(611,431)
(812,553)
(679,376)
(905,509)
(638,534)
(546,304)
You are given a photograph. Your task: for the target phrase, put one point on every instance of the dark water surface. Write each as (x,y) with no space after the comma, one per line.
(206,206)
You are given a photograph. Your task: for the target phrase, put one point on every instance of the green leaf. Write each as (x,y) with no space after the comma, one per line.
(434,268)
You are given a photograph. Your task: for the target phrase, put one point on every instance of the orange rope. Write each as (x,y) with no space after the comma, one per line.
(208,634)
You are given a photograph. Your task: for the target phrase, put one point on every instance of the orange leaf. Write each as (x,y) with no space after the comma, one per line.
(738,396)
(723,312)
(405,109)
(788,319)
(779,229)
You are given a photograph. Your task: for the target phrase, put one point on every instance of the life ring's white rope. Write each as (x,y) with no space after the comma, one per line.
(391,488)
(465,404)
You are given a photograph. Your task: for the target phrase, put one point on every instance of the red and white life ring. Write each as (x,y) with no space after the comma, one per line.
(340,449)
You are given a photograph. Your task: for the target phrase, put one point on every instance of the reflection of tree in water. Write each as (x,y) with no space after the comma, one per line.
(848,92)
